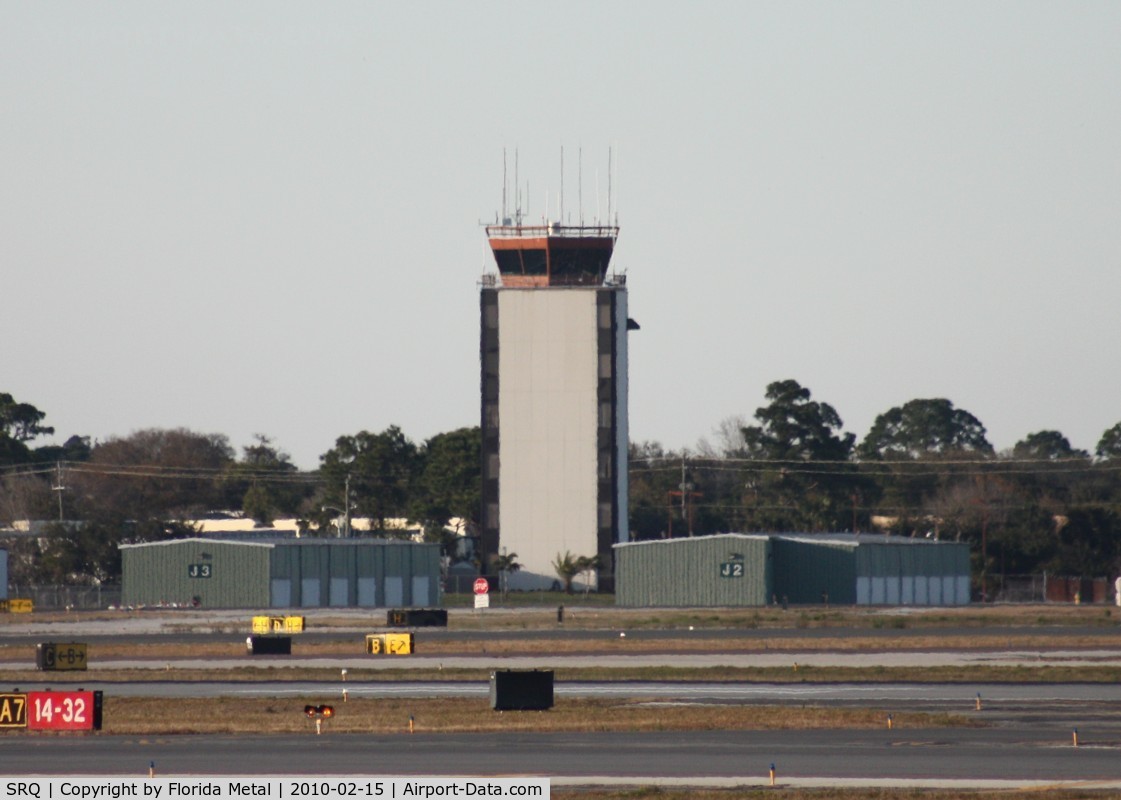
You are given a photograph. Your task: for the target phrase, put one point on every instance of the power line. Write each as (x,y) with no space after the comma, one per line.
(921,468)
(676,458)
(233,473)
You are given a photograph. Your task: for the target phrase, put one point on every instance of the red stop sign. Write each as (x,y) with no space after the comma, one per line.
(481,586)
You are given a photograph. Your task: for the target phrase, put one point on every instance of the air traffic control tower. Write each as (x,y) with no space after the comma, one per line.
(554,400)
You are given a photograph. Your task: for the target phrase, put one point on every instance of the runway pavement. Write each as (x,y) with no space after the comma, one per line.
(955,757)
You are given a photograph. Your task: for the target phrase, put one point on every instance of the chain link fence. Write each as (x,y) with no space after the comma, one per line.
(86,598)
(1017,588)
(1002,589)
(1047,588)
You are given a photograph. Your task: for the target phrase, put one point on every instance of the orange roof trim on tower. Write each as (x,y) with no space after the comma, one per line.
(552,255)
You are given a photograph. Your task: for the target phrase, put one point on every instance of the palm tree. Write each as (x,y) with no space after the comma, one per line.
(506,564)
(567,567)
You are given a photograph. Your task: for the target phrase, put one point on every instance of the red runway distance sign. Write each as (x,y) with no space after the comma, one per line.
(63,711)
(481,586)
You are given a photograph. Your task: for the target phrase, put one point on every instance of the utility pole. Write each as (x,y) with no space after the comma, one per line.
(983,501)
(984,553)
(687,504)
(684,488)
(346,508)
(59,488)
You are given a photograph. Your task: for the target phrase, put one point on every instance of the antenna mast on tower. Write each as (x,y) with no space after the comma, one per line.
(609,186)
(562,187)
(580,184)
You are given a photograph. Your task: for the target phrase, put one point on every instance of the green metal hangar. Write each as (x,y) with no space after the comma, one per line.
(728,569)
(733,569)
(282,573)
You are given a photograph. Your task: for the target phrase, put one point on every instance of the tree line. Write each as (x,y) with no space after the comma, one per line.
(925,469)
(152,484)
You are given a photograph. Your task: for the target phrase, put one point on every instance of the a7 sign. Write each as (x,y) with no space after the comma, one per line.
(13,710)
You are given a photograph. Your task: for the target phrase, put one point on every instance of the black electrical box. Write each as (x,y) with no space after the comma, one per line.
(521,690)
(269,645)
(417,618)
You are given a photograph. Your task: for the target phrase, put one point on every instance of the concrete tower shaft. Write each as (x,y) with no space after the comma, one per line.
(553,353)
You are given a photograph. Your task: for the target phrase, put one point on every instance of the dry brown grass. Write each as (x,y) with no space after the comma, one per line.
(596,616)
(596,612)
(690,642)
(151,716)
(1074,673)
(687,642)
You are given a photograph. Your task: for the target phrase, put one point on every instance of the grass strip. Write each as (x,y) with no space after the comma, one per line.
(142,716)
(687,642)
(537,611)
(1076,673)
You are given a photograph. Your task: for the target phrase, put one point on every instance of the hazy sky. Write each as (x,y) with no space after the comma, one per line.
(263,217)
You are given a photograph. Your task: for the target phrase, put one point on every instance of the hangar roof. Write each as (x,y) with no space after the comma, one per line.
(837,539)
(684,539)
(279,542)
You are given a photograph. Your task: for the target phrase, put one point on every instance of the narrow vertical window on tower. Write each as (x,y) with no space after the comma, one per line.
(604,317)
